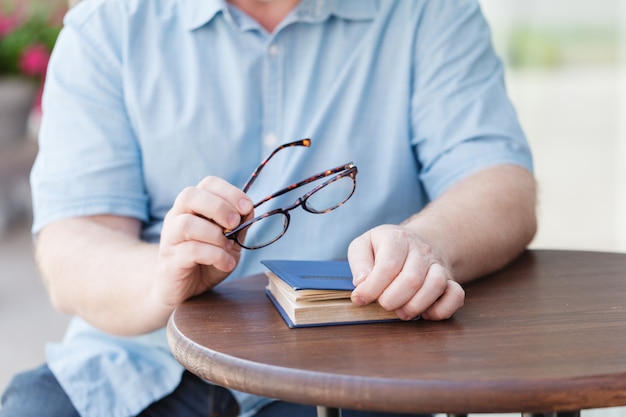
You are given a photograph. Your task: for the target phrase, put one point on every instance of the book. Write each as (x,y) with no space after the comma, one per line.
(317,293)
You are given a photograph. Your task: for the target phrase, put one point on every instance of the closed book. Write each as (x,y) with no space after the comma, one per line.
(317,293)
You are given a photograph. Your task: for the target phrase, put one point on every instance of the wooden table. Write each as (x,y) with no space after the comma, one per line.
(547,333)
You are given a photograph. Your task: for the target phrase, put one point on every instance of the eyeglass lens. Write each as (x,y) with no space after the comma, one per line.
(330,196)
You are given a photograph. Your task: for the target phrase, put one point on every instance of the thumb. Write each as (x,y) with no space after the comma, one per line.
(360,258)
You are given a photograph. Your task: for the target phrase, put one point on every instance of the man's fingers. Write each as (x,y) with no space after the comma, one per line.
(370,288)
(361,258)
(187,226)
(208,205)
(432,289)
(405,285)
(222,188)
(193,253)
(214,199)
(452,299)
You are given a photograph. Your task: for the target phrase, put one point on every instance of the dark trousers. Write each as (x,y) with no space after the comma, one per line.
(37,393)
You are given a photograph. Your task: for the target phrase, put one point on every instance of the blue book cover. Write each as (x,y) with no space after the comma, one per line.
(313,275)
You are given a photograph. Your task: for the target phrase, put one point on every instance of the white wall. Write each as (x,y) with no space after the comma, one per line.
(621,135)
(571,114)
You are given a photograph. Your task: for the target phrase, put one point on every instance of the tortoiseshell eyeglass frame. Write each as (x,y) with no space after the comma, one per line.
(341,171)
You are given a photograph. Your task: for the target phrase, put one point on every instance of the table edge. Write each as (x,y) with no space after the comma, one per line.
(407,395)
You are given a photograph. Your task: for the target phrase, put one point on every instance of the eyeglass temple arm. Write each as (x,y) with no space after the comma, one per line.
(301,142)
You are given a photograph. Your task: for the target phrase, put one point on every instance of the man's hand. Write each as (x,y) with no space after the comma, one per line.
(194,254)
(394,266)
(476,227)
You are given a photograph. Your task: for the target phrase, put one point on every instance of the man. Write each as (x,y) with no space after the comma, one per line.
(157,111)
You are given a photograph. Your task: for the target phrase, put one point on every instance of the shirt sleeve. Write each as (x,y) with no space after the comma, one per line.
(462,119)
(89,160)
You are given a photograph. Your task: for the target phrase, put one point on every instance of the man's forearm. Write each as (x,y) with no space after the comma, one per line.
(481,223)
(97,268)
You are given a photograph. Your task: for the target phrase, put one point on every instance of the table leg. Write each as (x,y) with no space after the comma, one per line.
(328,411)
(456,415)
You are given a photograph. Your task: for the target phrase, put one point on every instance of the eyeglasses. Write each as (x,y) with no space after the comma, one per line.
(267,228)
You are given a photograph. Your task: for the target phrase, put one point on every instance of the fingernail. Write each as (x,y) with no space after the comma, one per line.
(245,205)
(233,220)
(357,300)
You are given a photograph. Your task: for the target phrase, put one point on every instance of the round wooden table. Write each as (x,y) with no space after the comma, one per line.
(547,333)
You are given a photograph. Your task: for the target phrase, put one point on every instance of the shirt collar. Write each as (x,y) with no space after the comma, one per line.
(320,10)
(198,13)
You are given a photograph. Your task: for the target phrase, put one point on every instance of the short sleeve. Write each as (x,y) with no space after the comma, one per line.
(89,161)
(462,119)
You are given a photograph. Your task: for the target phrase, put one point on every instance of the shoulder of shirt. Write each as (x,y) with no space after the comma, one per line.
(408,9)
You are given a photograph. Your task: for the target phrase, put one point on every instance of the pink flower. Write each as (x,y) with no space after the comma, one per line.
(34,60)
(8,23)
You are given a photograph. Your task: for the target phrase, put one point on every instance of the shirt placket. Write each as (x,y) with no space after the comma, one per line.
(272,95)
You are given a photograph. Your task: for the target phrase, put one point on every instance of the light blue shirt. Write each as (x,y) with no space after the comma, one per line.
(146,97)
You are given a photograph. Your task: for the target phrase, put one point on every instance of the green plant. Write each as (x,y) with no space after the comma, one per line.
(28,31)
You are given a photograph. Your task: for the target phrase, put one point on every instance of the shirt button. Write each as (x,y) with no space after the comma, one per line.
(270,140)
(273,50)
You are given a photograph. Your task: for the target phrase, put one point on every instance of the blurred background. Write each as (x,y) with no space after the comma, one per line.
(565,61)
(28,30)
(565,75)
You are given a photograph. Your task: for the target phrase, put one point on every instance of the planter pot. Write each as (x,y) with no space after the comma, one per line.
(17,96)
